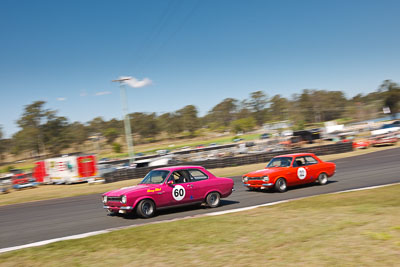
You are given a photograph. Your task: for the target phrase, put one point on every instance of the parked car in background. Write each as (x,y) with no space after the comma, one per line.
(169,187)
(126,165)
(23,180)
(362,143)
(104,160)
(385,139)
(162,152)
(292,142)
(105,168)
(289,170)
(387,128)
(5,183)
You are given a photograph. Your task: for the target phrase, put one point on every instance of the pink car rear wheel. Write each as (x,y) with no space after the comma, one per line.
(213,199)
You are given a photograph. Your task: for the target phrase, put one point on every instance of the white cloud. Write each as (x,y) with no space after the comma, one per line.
(103,93)
(135,83)
(61,98)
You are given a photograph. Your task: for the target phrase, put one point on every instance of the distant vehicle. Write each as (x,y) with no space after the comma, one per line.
(23,180)
(102,160)
(363,144)
(250,144)
(5,183)
(237,140)
(387,128)
(307,136)
(126,165)
(105,168)
(388,139)
(159,161)
(69,169)
(139,154)
(287,133)
(242,149)
(16,171)
(265,136)
(162,152)
(169,187)
(292,142)
(289,170)
(163,161)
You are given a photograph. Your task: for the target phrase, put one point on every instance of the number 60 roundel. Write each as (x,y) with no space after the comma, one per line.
(178,193)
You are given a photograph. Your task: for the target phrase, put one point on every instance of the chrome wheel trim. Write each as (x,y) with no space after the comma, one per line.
(147,208)
(282,185)
(323,178)
(213,199)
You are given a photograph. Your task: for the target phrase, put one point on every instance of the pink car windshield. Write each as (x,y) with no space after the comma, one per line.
(155,177)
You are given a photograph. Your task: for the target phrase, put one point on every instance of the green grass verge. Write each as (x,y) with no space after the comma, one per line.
(348,229)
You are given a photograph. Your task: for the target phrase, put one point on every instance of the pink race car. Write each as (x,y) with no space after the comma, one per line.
(169,187)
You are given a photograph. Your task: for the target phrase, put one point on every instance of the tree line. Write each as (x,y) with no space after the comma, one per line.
(43,130)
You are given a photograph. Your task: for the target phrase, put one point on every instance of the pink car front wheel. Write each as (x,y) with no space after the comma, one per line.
(146,208)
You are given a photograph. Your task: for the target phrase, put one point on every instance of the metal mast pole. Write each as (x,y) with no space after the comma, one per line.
(127,121)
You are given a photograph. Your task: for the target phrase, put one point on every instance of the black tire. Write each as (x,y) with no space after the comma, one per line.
(280,185)
(213,199)
(146,208)
(322,179)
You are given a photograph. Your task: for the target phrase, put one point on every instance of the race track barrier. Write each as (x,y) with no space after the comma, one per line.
(135,173)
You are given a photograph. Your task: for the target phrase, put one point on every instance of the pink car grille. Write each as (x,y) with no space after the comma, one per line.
(114,199)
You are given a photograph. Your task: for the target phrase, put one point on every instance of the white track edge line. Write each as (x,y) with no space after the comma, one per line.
(84,235)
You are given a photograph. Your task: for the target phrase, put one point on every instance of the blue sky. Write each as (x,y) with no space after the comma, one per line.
(195,52)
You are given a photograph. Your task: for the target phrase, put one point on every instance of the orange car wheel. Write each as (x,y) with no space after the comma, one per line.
(322,179)
(281,185)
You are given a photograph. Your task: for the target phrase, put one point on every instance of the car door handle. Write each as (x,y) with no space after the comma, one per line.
(189,185)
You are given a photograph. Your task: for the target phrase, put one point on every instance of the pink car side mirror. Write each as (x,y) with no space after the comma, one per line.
(170,183)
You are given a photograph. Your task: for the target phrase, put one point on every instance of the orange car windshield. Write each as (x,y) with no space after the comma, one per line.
(280,162)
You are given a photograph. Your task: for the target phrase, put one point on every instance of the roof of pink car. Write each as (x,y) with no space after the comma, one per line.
(175,168)
(296,155)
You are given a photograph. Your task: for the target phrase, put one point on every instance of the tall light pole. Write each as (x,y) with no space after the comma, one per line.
(127,121)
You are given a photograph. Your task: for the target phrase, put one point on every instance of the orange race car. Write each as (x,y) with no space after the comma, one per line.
(288,170)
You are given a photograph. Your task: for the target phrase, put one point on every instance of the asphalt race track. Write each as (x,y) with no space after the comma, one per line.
(31,222)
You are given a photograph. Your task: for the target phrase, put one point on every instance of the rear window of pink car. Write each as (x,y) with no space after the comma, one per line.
(198,175)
